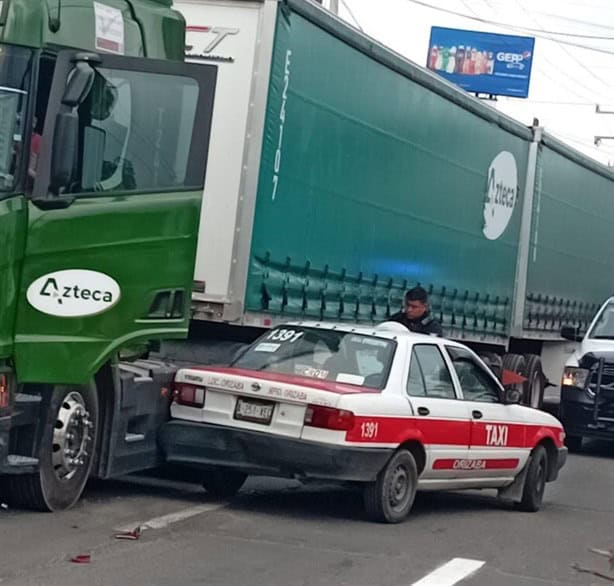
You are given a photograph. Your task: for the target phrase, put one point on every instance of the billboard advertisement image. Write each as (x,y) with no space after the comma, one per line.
(482,62)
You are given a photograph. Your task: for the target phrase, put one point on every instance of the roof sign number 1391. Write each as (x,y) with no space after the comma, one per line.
(285,335)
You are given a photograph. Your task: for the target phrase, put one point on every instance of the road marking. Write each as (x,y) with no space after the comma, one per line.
(451,573)
(166,520)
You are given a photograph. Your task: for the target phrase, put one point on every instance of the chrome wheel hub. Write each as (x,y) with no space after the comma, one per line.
(71,436)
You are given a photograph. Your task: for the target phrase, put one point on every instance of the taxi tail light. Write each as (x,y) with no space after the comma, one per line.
(329,418)
(190,395)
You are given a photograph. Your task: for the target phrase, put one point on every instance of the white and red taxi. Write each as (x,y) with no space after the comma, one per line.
(382,406)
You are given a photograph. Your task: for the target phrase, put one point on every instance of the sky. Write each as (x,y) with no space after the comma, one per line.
(567,81)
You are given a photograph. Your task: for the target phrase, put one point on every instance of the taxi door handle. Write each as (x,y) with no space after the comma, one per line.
(476,414)
(423,411)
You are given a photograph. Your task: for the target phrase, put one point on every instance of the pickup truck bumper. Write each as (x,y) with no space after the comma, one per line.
(211,446)
(580,417)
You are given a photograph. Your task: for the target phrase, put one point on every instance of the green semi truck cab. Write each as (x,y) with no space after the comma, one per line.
(103,135)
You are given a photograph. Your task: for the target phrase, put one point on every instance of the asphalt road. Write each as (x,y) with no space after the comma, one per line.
(279,533)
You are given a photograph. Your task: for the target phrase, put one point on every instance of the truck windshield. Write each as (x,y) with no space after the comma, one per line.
(332,355)
(604,325)
(15,77)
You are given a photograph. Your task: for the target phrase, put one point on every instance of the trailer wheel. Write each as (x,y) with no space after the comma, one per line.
(515,363)
(65,453)
(390,498)
(223,483)
(494,362)
(533,388)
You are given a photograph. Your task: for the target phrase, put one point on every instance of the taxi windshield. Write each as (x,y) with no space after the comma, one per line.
(15,73)
(332,355)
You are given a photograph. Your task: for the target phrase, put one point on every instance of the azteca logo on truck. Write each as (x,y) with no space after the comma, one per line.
(73,293)
(501,194)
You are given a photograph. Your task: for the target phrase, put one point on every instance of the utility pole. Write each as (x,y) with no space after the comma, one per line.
(599,139)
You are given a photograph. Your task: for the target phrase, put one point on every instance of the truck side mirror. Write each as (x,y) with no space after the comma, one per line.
(66,134)
(571,333)
(64,153)
(78,84)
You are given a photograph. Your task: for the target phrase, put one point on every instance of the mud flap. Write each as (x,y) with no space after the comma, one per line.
(513,492)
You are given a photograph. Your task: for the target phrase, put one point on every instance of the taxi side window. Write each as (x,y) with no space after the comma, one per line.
(477,384)
(428,374)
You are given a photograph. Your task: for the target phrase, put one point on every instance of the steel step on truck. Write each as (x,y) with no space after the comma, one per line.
(290,167)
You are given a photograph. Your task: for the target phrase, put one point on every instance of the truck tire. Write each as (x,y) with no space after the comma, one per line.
(515,363)
(223,483)
(535,482)
(65,453)
(533,388)
(390,498)
(494,362)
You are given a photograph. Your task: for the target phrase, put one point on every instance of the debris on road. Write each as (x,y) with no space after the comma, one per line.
(600,574)
(82,558)
(608,554)
(132,535)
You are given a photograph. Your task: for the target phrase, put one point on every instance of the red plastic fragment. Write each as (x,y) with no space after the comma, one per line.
(509,377)
(82,558)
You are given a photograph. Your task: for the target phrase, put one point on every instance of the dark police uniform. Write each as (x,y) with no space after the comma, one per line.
(426,324)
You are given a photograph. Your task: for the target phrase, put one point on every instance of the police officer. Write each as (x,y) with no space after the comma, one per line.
(416,316)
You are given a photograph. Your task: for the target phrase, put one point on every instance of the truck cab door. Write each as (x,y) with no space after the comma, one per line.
(113,220)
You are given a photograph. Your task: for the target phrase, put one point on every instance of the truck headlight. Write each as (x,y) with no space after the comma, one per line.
(574,377)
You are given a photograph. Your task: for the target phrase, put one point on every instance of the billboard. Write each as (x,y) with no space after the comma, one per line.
(482,62)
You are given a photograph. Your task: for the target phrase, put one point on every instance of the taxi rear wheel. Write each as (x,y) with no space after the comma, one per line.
(535,483)
(390,498)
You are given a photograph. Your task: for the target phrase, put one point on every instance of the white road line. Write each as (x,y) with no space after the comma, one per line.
(451,573)
(166,520)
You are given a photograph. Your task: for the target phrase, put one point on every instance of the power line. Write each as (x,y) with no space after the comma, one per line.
(345,4)
(559,103)
(575,21)
(565,49)
(544,57)
(538,33)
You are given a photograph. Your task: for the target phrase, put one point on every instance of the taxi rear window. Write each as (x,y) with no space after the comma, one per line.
(344,357)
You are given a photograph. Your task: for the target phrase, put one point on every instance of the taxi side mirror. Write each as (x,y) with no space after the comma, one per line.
(511,395)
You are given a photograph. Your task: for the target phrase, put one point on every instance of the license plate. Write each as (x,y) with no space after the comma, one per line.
(255,411)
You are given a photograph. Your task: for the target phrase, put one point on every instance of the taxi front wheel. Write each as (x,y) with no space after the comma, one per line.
(535,482)
(390,498)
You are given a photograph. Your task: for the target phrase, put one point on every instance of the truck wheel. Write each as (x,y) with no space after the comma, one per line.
(574,442)
(533,388)
(65,453)
(535,483)
(515,363)
(494,362)
(390,498)
(223,483)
